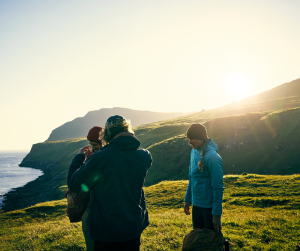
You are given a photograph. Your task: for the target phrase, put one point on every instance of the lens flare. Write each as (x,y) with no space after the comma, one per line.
(84,188)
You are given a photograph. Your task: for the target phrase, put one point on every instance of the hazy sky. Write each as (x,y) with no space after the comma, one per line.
(61,59)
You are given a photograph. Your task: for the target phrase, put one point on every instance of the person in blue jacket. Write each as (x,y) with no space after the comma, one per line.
(205,188)
(115,177)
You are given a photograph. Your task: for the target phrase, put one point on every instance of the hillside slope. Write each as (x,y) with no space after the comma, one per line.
(271,100)
(263,143)
(80,126)
(286,90)
(258,137)
(259,213)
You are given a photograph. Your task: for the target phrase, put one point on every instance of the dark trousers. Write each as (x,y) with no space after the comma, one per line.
(202,218)
(132,245)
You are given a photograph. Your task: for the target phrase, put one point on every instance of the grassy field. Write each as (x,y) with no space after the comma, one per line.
(260,212)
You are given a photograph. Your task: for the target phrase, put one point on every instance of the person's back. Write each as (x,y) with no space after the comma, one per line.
(115,177)
(117,196)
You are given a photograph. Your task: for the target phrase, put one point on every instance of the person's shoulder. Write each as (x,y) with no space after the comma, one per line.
(212,155)
(211,151)
(195,153)
(146,156)
(144,151)
(104,152)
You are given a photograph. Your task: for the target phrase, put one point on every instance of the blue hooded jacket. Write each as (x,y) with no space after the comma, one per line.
(205,188)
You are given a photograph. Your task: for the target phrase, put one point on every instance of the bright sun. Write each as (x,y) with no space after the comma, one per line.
(238,86)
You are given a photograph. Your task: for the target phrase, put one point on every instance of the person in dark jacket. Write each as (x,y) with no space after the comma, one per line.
(115,177)
(94,137)
(205,189)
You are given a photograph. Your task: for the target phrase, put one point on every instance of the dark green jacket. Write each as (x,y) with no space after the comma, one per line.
(115,177)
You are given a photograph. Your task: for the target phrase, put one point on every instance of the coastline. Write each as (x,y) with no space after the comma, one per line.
(12,175)
(53,159)
(32,192)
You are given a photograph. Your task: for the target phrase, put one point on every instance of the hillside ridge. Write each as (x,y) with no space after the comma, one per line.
(79,127)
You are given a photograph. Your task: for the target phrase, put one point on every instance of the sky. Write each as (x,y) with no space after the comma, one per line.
(61,59)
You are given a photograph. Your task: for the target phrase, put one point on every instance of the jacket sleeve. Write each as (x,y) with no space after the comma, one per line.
(75,164)
(81,179)
(215,165)
(188,194)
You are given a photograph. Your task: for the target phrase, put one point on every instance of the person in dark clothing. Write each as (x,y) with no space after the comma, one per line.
(94,137)
(115,177)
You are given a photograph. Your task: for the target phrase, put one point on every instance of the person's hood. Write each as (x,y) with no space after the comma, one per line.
(125,141)
(211,146)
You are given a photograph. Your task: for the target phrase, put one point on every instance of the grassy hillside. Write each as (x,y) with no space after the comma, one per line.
(260,212)
(281,97)
(262,143)
(260,134)
(283,91)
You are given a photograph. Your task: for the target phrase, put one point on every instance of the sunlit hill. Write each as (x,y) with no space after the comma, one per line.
(258,139)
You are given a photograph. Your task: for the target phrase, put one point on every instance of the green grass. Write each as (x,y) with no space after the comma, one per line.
(260,212)
(154,134)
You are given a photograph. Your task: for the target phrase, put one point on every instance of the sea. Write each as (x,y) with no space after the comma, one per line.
(13,176)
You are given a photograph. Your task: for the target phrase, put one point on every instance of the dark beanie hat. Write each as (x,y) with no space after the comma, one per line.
(111,119)
(94,134)
(197,131)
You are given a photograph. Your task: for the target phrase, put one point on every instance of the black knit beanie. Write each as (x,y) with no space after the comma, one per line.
(197,131)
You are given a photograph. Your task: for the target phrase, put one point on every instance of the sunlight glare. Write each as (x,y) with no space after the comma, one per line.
(238,86)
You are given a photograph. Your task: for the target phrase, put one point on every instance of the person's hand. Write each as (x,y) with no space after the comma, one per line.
(217,223)
(186,208)
(85,150)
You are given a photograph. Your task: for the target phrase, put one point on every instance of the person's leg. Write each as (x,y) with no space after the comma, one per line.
(197,218)
(88,241)
(132,245)
(207,217)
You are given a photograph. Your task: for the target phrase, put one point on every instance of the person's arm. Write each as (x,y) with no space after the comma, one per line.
(82,178)
(188,195)
(75,165)
(215,165)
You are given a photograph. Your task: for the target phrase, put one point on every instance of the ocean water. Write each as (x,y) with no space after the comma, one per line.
(13,176)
